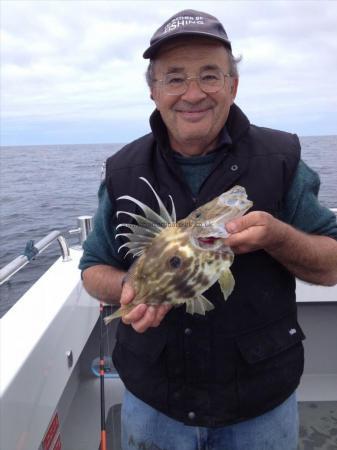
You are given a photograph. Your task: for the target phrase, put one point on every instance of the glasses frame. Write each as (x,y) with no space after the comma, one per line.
(197,79)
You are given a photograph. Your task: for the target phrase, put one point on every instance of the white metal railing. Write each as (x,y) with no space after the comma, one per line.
(33,249)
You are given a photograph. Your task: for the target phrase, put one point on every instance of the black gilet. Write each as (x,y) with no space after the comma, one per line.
(246,356)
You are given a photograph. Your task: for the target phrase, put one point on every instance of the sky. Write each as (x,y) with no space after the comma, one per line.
(72,71)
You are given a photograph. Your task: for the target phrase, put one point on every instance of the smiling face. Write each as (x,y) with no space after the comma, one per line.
(195,118)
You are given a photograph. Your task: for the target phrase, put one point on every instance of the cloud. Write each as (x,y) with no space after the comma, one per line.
(79,61)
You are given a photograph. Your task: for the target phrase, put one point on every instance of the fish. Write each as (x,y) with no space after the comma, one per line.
(177,261)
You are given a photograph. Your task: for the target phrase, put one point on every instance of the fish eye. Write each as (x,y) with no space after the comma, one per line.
(197,215)
(175,262)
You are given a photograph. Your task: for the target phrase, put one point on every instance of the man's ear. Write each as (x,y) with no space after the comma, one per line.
(234,88)
(154,97)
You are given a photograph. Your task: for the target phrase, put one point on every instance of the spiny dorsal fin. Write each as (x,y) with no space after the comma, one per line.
(162,209)
(147,227)
(173,214)
(142,221)
(135,246)
(136,229)
(136,238)
(149,213)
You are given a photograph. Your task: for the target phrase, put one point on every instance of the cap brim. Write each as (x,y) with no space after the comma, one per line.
(154,48)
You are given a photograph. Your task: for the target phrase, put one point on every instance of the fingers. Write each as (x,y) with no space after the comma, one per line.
(247,232)
(143,317)
(127,294)
(251,219)
(255,231)
(136,315)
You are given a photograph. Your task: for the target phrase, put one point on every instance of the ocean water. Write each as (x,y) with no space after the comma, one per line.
(44,188)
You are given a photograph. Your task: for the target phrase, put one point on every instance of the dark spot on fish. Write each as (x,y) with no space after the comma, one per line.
(184,289)
(188,293)
(202,280)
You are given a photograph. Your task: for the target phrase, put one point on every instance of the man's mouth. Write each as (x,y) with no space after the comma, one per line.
(194,115)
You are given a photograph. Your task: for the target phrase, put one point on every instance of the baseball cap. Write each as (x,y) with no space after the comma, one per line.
(187,23)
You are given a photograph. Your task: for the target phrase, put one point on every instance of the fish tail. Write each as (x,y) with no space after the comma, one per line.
(117,314)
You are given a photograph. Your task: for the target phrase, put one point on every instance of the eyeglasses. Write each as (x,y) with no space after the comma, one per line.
(209,81)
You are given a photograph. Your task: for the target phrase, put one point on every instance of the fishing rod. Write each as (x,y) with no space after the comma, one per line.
(103,445)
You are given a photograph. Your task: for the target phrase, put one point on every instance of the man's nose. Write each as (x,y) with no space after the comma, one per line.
(193,91)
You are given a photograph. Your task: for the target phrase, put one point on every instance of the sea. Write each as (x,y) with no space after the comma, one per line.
(45,188)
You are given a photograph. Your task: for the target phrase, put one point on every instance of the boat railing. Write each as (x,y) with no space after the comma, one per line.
(33,249)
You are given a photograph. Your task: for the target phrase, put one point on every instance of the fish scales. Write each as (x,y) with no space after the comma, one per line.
(176,262)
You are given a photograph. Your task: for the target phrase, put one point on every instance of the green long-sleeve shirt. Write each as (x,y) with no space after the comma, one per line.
(301,209)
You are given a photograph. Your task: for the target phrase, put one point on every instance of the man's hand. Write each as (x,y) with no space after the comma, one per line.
(311,258)
(255,231)
(142,316)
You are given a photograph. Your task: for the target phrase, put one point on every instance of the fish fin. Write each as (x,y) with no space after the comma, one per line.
(148,227)
(173,213)
(164,214)
(227,283)
(142,222)
(130,246)
(161,219)
(138,230)
(198,305)
(136,237)
(149,213)
(117,314)
(134,245)
(134,253)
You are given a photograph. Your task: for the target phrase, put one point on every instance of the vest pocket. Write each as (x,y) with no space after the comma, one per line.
(270,365)
(146,346)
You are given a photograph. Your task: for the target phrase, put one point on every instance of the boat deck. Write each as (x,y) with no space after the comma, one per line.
(318,425)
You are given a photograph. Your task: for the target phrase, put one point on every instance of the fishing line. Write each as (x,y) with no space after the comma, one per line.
(103,445)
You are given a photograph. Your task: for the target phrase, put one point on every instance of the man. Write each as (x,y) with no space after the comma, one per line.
(225,381)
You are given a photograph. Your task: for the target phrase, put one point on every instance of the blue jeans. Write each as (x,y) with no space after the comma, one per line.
(144,428)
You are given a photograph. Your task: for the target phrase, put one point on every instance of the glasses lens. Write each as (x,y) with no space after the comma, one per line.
(208,81)
(211,80)
(175,83)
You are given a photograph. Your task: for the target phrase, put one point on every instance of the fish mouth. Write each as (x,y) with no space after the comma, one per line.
(208,242)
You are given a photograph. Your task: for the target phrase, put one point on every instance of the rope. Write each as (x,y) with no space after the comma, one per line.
(30,251)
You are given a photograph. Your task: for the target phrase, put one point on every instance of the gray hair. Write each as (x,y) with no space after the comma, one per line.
(233,67)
